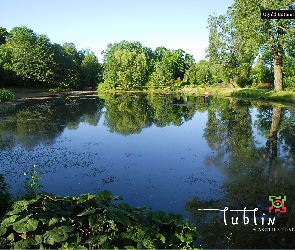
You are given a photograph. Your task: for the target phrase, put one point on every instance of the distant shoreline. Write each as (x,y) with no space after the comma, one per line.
(260,94)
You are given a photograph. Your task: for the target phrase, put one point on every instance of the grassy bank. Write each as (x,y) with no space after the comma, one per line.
(260,94)
(270,95)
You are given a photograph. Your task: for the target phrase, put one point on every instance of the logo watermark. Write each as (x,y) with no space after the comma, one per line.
(277,206)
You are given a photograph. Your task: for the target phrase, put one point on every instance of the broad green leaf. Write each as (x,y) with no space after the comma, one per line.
(44,217)
(96,220)
(118,216)
(104,195)
(10,237)
(118,197)
(38,238)
(2,230)
(130,247)
(48,218)
(87,212)
(19,206)
(26,224)
(57,234)
(125,206)
(81,247)
(162,237)
(52,207)
(67,246)
(22,244)
(159,215)
(66,228)
(97,240)
(9,221)
(53,220)
(85,197)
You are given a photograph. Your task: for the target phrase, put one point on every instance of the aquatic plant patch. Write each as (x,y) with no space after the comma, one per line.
(91,221)
(6,95)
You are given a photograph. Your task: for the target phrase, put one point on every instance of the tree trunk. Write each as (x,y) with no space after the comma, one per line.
(272,138)
(278,73)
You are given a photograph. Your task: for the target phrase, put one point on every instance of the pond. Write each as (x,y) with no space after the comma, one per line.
(175,152)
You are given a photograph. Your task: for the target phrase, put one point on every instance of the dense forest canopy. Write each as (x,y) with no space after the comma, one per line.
(243,50)
(27,58)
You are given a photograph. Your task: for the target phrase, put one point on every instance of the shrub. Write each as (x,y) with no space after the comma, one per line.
(289,82)
(6,95)
(242,81)
(91,221)
(103,86)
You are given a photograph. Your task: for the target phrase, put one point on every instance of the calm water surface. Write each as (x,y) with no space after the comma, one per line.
(173,152)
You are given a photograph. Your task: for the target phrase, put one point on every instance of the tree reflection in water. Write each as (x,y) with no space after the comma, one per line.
(254,172)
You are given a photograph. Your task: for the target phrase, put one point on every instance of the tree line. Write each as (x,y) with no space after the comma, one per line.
(30,59)
(243,50)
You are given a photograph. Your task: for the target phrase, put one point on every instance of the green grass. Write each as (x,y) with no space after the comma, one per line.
(261,94)
(271,95)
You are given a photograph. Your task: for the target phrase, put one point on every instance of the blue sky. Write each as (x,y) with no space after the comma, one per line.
(95,23)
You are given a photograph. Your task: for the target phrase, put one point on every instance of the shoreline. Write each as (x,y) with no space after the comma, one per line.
(257,94)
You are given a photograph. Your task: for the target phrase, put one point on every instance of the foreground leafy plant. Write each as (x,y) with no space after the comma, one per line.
(5,197)
(91,221)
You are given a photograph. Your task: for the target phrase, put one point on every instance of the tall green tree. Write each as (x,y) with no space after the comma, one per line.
(5,74)
(43,60)
(29,56)
(19,47)
(91,70)
(162,77)
(258,34)
(125,65)
(227,52)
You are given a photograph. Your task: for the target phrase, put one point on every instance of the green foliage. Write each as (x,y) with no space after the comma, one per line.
(6,95)
(91,221)
(3,34)
(289,83)
(5,196)
(125,65)
(242,81)
(262,71)
(285,96)
(162,77)
(198,74)
(226,52)
(90,70)
(289,72)
(32,183)
(131,66)
(27,58)
(102,86)
(240,36)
